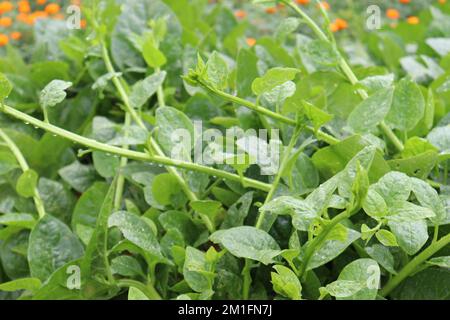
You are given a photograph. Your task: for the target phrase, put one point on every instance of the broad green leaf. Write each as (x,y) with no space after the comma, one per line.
(383,256)
(442,262)
(374,205)
(371,112)
(126,266)
(430,284)
(272,79)
(105,164)
(322,53)
(182,222)
(135,294)
(51,246)
(21,220)
(7,162)
(249,243)
(175,133)
(152,55)
(387,238)
(393,187)
(411,236)
(317,116)
(286,27)
(429,198)
(343,288)
(137,231)
(364,271)
(408,106)
(27,184)
(237,213)
(29,284)
(54,93)
(335,244)
(403,211)
(143,90)
(418,166)
(78,176)
(197,271)
(216,71)
(286,283)
(166,190)
(5,87)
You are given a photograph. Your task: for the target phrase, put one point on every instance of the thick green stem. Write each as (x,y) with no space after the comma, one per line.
(160,93)
(414,264)
(120,184)
(140,156)
(346,69)
(246,273)
(269,113)
(25,167)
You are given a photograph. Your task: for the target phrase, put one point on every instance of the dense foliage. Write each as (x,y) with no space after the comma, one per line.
(99,201)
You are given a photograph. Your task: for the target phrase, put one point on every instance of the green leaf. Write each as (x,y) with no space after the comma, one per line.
(7,162)
(430,284)
(335,244)
(51,246)
(29,284)
(237,213)
(383,256)
(286,283)
(441,262)
(197,271)
(403,211)
(411,236)
(372,111)
(429,198)
(78,176)
(27,184)
(366,272)
(387,238)
(152,55)
(408,106)
(343,288)
(272,79)
(5,87)
(137,231)
(175,131)
(54,93)
(374,205)
(216,71)
(393,187)
(249,243)
(21,220)
(105,164)
(166,190)
(126,266)
(317,116)
(145,89)
(322,53)
(135,294)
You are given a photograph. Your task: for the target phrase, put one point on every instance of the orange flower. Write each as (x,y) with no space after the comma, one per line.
(405,1)
(302,2)
(240,14)
(393,14)
(251,41)
(52,8)
(16,35)
(442,1)
(41,2)
(271,10)
(6,6)
(83,23)
(325,5)
(24,7)
(334,27)
(6,22)
(413,20)
(4,40)
(341,23)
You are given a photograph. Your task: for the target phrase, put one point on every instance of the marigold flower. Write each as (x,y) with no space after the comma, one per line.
(16,35)
(302,2)
(41,2)
(6,22)
(442,1)
(4,40)
(413,20)
(271,10)
(52,8)
(324,5)
(341,23)
(251,42)
(24,6)
(393,14)
(334,27)
(240,14)
(405,1)
(6,6)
